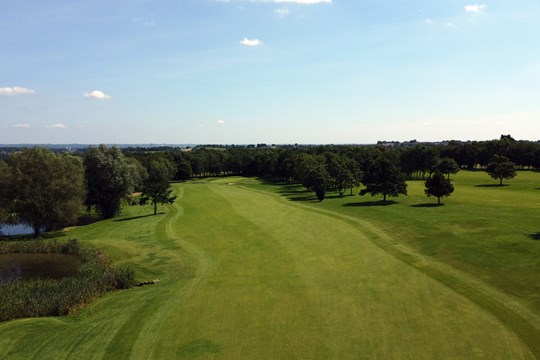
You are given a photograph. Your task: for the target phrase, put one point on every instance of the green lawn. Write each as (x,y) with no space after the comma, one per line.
(260,271)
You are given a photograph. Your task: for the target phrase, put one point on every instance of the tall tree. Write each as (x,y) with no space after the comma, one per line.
(317,180)
(109,177)
(501,168)
(447,166)
(156,186)
(339,171)
(437,185)
(4,192)
(383,176)
(43,189)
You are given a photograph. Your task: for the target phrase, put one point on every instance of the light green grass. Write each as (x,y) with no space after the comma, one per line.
(248,274)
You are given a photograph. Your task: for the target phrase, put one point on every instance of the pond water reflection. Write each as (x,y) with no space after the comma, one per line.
(30,266)
(18,229)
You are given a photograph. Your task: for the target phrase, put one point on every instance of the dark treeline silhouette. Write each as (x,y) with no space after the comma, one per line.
(293,163)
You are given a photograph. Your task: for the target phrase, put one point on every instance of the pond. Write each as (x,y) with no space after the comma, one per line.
(18,229)
(30,266)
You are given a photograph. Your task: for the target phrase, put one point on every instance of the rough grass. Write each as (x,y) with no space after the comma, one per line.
(247,273)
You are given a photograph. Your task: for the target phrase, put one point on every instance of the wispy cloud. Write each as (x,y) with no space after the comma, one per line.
(16,90)
(475,8)
(144,22)
(221,122)
(96,94)
(428,21)
(251,42)
(451,25)
(56,126)
(22,126)
(282,11)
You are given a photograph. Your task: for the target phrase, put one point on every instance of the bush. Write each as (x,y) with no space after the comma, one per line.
(48,297)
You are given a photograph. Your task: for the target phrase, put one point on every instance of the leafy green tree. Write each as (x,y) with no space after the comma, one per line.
(339,171)
(156,186)
(317,180)
(447,166)
(437,185)
(138,173)
(383,176)
(4,192)
(43,189)
(109,177)
(501,168)
(183,170)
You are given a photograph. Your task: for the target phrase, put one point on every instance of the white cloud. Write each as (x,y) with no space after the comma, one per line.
(428,21)
(450,25)
(475,8)
(24,126)
(96,94)
(56,126)
(251,42)
(281,12)
(17,90)
(221,122)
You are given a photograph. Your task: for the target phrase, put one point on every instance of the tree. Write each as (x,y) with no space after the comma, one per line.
(156,186)
(338,169)
(109,178)
(447,166)
(4,192)
(382,176)
(43,189)
(317,180)
(437,185)
(501,168)
(183,171)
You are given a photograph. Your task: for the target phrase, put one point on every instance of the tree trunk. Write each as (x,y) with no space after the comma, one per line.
(438,200)
(37,232)
(500,183)
(155,207)
(384,197)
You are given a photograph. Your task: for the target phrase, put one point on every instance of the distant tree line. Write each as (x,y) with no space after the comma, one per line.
(46,189)
(381,169)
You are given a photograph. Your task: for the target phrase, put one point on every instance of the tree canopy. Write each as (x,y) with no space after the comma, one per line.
(156,185)
(383,176)
(439,186)
(501,168)
(109,177)
(42,189)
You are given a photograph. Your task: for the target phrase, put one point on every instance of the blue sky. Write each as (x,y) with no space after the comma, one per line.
(250,71)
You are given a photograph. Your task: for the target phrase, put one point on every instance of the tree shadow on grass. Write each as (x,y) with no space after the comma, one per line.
(535,236)
(371,203)
(491,185)
(426,205)
(303,198)
(336,196)
(138,217)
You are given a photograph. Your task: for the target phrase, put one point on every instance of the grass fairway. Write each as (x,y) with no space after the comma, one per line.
(246,273)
